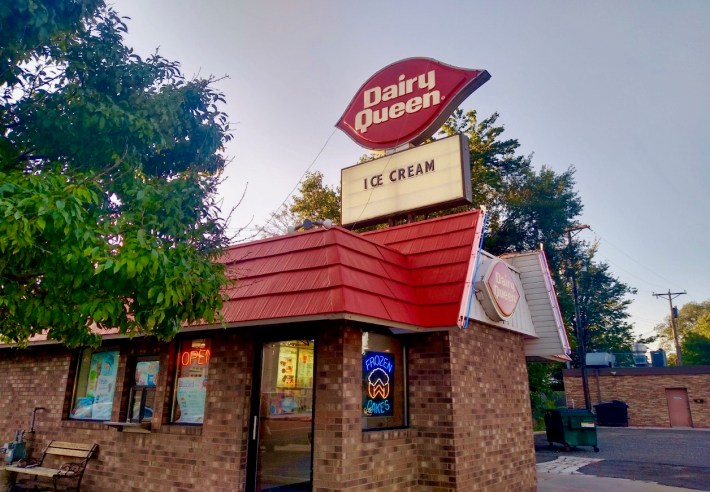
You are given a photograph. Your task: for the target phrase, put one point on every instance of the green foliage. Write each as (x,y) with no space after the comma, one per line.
(696,349)
(316,201)
(28,25)
(693,326)
(539,207)
(603,306)
(108,171)
(540,381)
(495,164)
(692,317)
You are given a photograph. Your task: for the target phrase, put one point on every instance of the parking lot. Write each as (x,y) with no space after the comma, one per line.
(678,458)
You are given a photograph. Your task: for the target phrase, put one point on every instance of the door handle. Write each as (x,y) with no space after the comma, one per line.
(253,431)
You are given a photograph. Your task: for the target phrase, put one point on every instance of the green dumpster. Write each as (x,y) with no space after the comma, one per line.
(571,428)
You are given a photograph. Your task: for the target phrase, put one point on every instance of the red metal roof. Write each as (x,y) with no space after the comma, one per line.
(407,275)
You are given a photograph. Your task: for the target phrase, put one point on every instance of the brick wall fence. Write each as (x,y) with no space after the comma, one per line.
(469,415)
(644,390)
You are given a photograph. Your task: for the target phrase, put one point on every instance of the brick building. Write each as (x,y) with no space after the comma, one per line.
(656,396)
(347,362)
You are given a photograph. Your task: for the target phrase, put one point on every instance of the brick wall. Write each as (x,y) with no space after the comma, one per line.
(470,426)
(492,414)
(179,458)
(344,457)
(643,389)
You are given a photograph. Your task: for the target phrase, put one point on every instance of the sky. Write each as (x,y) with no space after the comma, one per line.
(619,90)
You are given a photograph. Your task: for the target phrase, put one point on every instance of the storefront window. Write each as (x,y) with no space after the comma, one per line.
(142,401)
(191,382)
(95,386)
(384,402)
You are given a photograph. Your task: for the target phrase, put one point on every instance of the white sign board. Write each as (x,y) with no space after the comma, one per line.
(426,178)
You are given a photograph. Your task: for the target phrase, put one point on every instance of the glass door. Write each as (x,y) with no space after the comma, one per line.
(282,425)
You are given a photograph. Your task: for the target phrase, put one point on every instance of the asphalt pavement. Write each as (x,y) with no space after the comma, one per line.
(629,459)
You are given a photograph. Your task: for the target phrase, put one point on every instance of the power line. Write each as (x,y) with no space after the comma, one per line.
(273,214)
(633,259)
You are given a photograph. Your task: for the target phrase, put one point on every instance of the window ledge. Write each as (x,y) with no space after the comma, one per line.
(142,427)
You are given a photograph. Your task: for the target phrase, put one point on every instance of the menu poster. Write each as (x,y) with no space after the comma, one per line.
(286,370)
(147,372)
(304,376)
(102,383)
(191,393)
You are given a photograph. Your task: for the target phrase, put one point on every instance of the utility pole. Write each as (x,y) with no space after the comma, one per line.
(670,296)
(579,328)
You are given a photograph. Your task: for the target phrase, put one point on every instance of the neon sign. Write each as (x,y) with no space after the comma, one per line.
(199,357)
(378,384)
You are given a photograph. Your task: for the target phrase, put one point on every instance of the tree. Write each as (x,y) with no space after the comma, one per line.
(278,223)
(693,321)
(540,382)
(108,171)
(495,165)
(538,208)
(696,349)
(314,201)
(603,306)
(692,317)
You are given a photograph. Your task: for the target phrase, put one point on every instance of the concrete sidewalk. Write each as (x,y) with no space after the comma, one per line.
(554,482)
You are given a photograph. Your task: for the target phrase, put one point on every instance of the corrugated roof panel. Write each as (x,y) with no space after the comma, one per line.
(291,305)
(438,274)
(412,274)
(438,294)
(357,261)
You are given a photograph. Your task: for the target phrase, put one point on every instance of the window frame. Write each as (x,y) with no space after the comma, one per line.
(404,382)
(77,376)
(143,389)
(175,370)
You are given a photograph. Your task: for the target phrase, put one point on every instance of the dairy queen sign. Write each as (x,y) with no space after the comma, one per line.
(400,107)
(497,291)
(407,101)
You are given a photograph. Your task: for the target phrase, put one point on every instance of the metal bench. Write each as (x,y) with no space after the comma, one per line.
(70,472)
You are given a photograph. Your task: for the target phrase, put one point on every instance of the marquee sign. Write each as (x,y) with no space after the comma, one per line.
(498,292)
(428,177)
(407,101)
(378,383)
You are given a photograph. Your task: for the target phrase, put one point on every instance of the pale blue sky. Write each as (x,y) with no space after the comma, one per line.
(620,90)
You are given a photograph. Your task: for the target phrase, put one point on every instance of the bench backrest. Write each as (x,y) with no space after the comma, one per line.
(70,449)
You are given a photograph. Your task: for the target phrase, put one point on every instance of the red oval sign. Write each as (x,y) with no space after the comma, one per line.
(407,101)
(499,294)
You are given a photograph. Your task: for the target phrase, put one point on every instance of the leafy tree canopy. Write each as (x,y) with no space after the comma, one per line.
(696,349)
(108,171)
(693,326)
(314,201)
